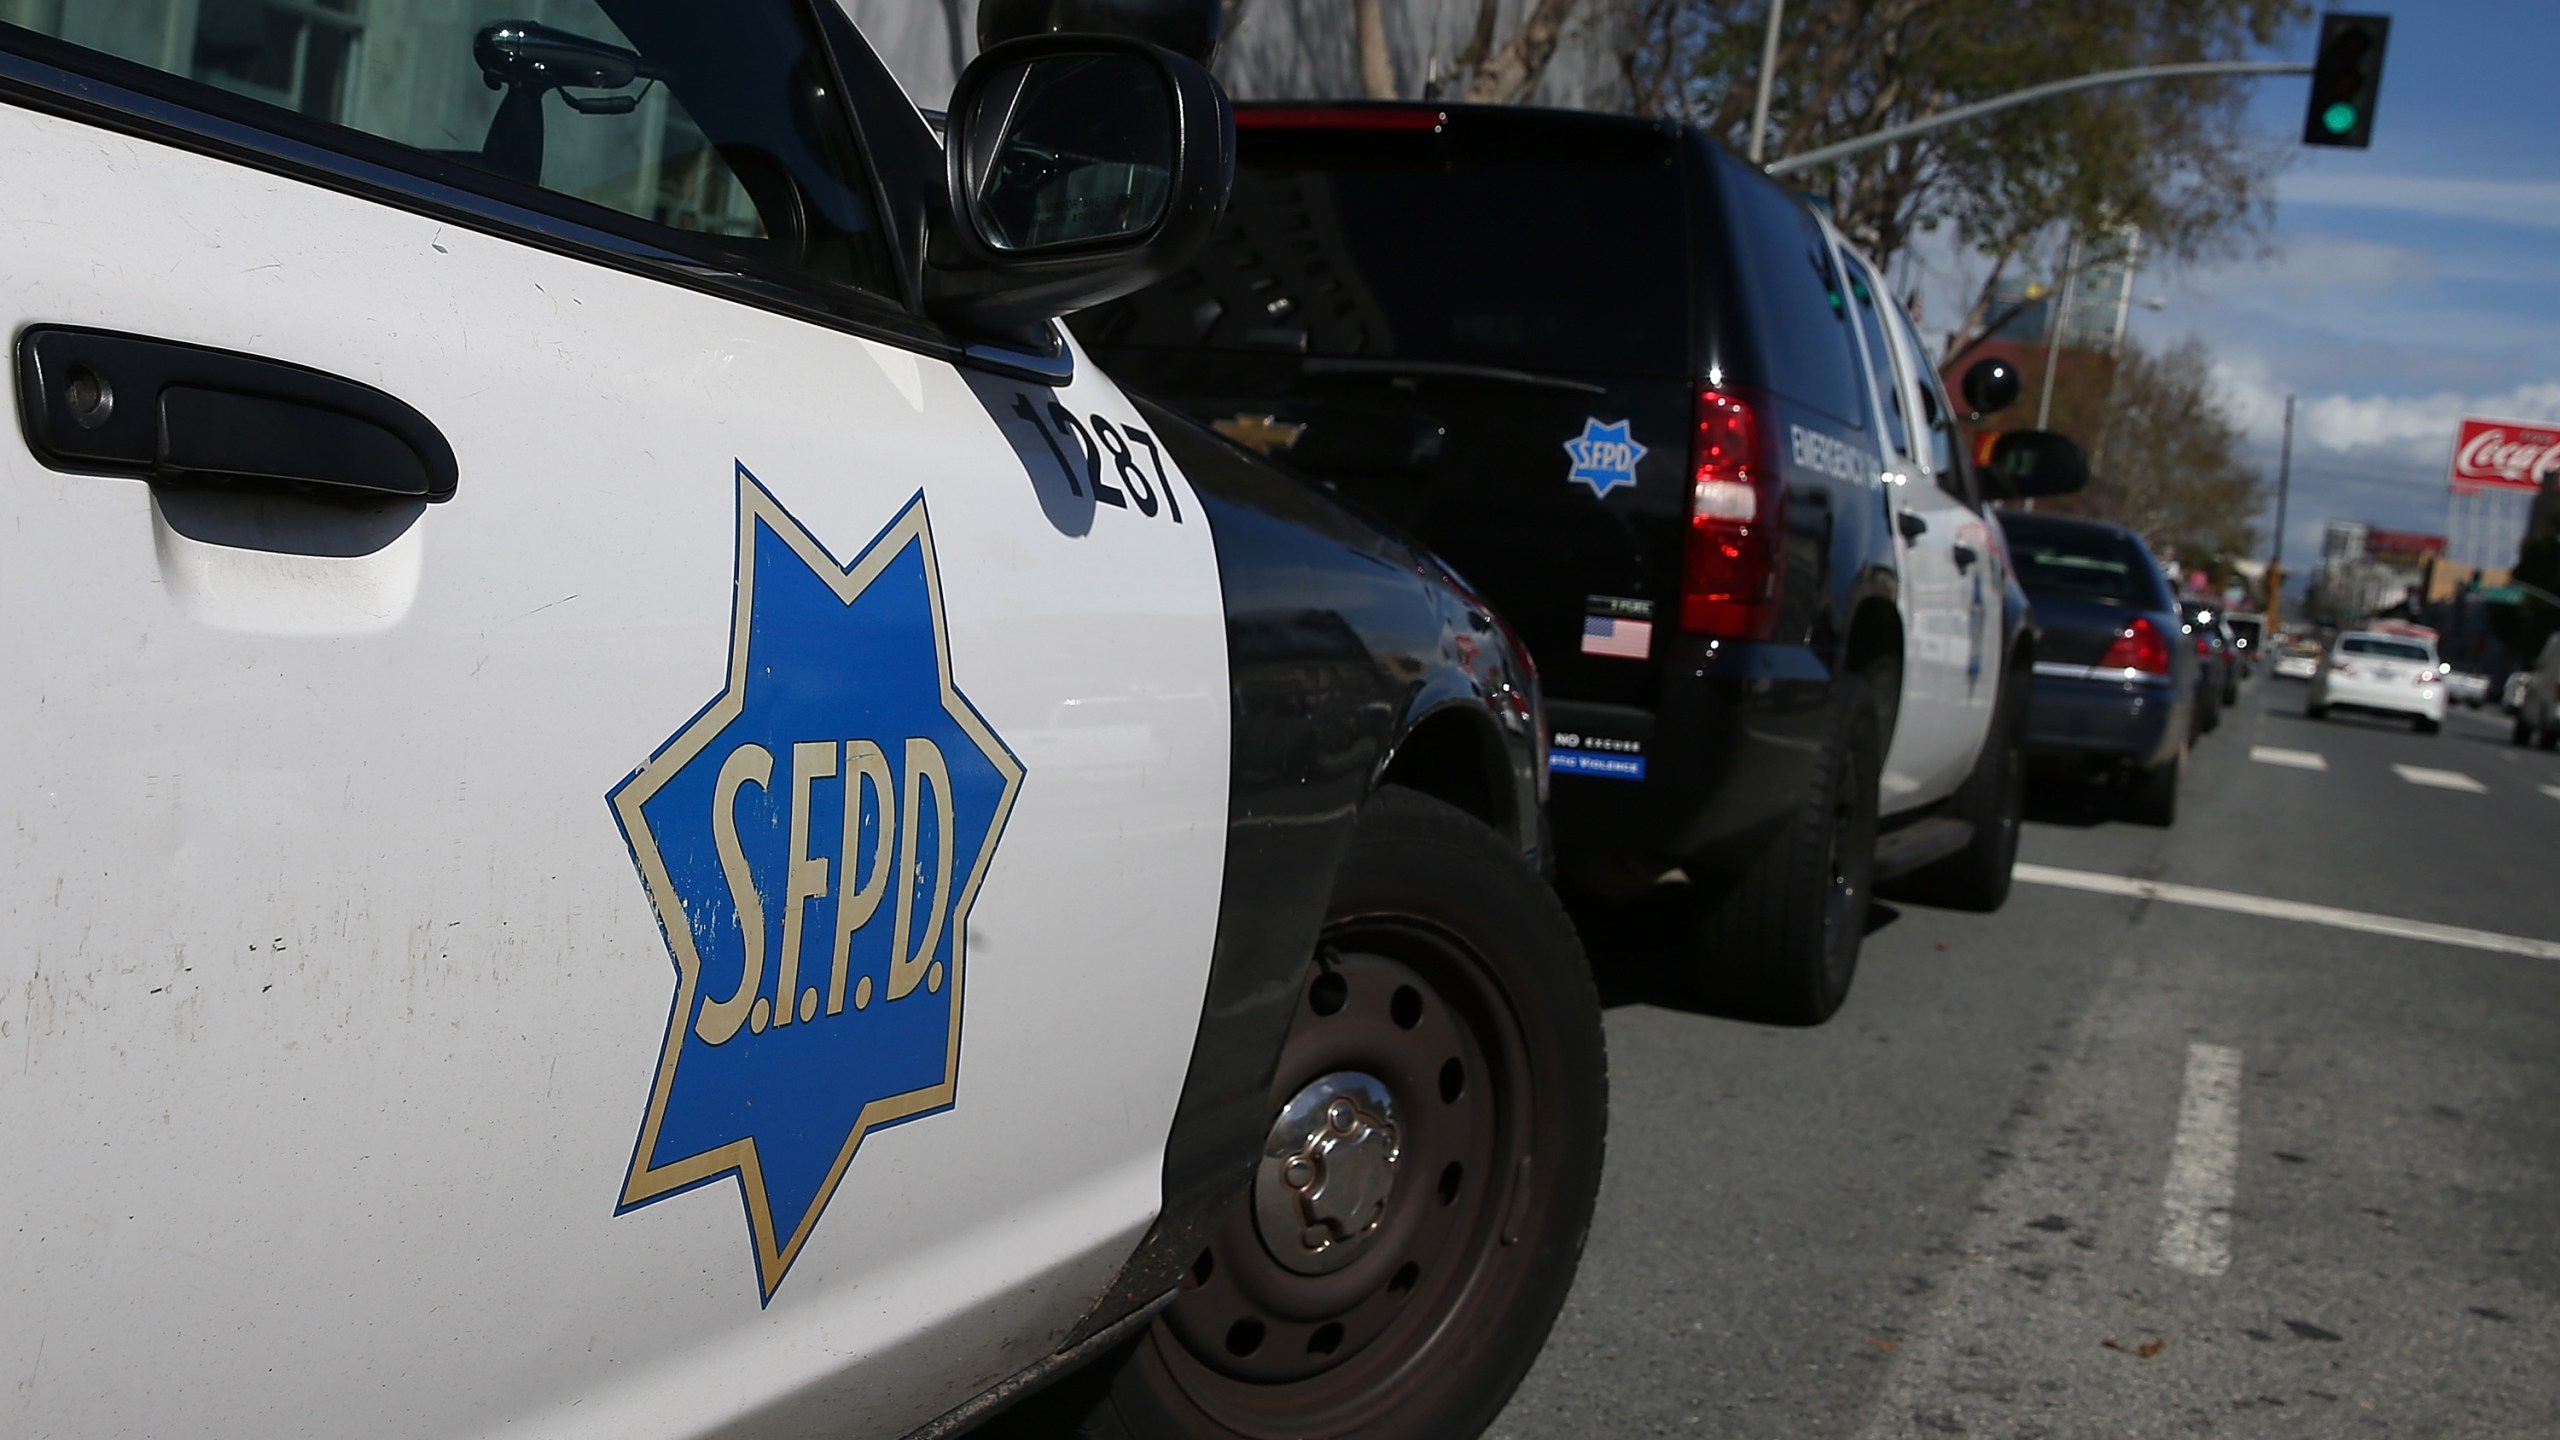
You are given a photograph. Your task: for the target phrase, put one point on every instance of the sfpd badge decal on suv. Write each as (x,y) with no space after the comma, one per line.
(1604,456)
(812,841)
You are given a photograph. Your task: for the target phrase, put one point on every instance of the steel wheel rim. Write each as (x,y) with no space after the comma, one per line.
(1332,1352)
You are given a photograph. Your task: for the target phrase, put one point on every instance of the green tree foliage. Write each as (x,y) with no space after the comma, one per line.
(2165,455)
(2171,157)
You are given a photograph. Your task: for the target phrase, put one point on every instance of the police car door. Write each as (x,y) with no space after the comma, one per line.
(646,857)
(1928,726)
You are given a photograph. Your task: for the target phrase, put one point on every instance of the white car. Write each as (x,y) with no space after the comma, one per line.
(2466,688)
(2380,674)
(2296,659)
(641,806)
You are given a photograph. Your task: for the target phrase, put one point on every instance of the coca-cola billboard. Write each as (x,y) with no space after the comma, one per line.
(2503,454)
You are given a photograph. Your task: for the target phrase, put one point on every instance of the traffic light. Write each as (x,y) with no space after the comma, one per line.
(2345,80)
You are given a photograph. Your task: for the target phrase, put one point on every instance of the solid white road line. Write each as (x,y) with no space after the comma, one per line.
(2272,909)
(2277,755)
(2440,779)
(2204,1165)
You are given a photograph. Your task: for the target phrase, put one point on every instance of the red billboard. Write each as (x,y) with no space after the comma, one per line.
(2401,544)
(2503,454)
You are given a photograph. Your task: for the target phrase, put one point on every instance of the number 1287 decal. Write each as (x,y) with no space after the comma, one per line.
(1097,440)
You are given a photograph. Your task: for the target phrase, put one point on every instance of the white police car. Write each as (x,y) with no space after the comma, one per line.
(638,808)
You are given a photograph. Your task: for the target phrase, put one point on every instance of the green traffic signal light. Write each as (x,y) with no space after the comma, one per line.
(2346,77)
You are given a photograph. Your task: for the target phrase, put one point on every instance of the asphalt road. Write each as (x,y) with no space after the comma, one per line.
(2113,1166)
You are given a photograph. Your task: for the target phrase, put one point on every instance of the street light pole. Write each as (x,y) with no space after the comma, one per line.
(1768,73)
(2275,558)
(2053,331)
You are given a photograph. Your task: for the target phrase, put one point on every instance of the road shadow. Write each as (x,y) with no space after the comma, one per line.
(1645,950)
(2070,796)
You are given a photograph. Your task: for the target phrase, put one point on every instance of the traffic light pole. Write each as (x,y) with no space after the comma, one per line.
(1789,164)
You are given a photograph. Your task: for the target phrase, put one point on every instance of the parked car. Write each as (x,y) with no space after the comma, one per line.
(2115,685)
(2380,674)
(2467,688)
(552,666)
(2297,658)
(2248,638)
(2511,694)
(2217,664)
(2537,703)
(1687,443)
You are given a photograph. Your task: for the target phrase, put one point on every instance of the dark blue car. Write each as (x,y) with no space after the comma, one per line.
(2115,678)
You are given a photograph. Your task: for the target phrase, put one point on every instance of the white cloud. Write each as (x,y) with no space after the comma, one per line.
(2312,265)
(2532,204)
(2412,430)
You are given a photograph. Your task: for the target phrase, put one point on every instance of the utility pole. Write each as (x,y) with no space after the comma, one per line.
(1768,73)
(2275,560)
(2053,331)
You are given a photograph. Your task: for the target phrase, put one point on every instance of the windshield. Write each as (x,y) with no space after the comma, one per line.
(2386,649)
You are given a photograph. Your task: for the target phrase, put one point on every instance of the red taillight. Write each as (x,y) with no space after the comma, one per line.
(2204,647)
(2138,646)
(1338,117)
(1735,557)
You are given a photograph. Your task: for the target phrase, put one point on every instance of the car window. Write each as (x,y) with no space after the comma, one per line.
(2080,563)
(1799,303)
(2386,649)
(711,124)
(1880,366)
(1440,249)
(1941,450)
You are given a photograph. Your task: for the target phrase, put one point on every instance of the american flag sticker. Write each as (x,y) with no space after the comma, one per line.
(1613,635)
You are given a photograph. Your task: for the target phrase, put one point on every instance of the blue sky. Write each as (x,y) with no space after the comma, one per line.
(2411,282)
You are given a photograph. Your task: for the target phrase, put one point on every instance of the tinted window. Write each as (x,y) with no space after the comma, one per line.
(1880,366)
(2386,649)
(714,124)
(1799,305)
(2082,562)
(1546,258)
(1941,449)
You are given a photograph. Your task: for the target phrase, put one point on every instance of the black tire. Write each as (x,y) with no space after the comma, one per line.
(2151,796)
(1994,802)
(2544,737)
(1448,970)
(2208,709)
(2426,726)
(2316,712)
(1781,945)
(2521,734)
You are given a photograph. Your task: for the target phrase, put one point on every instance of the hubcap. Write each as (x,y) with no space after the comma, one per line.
(1327,1173)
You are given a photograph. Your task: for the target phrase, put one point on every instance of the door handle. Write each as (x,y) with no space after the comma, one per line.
(1965,556)
(1911,526)
(175,414)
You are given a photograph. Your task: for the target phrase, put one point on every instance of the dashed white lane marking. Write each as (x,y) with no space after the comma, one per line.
(2440,779)
(2273,909)
(2552,790)
(2278,755)
(2204,1165)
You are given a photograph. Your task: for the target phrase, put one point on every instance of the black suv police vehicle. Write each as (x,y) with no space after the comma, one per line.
(1677,431)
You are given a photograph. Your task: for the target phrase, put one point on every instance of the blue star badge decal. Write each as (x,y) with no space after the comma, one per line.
(812,841)
(1604,456)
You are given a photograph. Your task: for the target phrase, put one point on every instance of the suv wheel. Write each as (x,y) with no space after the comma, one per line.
(1993,801)
(1783,941)
(1438,1114)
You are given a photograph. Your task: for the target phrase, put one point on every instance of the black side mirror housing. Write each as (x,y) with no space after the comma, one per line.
(1188,28)
(2032,464)
(1990,386)
(1079,168)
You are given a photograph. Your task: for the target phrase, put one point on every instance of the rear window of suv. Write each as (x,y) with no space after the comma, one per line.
(1484,247)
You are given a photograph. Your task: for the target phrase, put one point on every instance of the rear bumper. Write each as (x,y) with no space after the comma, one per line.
(2426,701)
(2075,710)
(1721,762)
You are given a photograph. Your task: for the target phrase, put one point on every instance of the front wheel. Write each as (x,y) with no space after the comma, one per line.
(1438,1114)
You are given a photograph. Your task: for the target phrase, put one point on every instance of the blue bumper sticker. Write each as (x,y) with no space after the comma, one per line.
(812,841)
(1588,762)
(1604,456)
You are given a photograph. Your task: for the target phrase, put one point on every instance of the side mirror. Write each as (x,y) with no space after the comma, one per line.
(2031,464)
(1990,386)
(1188,28)
(1080,168)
